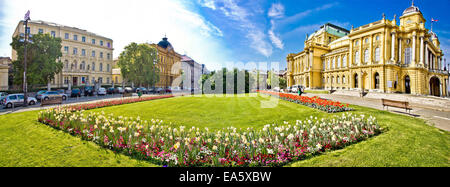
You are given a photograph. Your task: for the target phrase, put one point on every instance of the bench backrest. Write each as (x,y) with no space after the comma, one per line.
(54,99)
(395,103)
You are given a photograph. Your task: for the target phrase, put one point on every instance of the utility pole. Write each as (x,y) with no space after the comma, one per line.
(25,88)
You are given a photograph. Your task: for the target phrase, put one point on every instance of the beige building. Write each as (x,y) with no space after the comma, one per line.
(167,58)
(382,56)
(87,57)
(4,68)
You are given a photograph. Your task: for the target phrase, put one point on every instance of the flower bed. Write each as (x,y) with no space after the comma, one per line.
(313,102)
(273,145)
(101,104)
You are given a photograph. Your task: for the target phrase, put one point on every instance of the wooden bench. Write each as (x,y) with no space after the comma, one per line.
(398,104)
(52,100)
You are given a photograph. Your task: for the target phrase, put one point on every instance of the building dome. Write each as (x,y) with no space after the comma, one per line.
(165,43)
(411,9)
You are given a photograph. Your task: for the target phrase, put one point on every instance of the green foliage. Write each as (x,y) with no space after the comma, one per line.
(229,86)
(274,79)
(43,62)
(138,64)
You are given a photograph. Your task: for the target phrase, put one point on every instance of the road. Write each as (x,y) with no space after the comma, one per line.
(439,117)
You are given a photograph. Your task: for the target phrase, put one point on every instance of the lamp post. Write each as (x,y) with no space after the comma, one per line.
(25,88)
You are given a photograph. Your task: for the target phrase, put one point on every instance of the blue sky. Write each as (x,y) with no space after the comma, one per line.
(215,32)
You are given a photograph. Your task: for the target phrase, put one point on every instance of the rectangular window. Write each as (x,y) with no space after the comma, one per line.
(83,39)
(107,67)
(377,54)
(41,31)
(66,36)
(53,34)
(109,45)
(344,61)
(101,43)
(101,54)
(93,53)
(66,49)
(108,56)
(93,41)
(75,51)
(83,52)
(101,67)
(75,37)
(339,62)
(27,30)
(408,56)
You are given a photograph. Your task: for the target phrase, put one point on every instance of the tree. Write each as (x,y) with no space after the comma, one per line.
(43,63)
(138,64)
(230,86)
(274,79)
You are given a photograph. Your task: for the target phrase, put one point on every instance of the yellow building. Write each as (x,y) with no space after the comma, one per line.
(4,68)
(87,57)
(167,58)
(382,56)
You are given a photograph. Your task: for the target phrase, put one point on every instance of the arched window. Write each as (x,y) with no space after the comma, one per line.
(356,81)
(93,66)
(366,55)
(377,81)
(343,79)
(377,54)
(344,61)
(339,62)
(76,65)
(357,57)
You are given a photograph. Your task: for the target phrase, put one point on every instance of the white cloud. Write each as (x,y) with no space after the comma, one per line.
(208,3)
(276,11)
(274,38)
(256,35)
(125,22)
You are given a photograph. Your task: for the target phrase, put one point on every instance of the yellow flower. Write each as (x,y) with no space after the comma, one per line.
(177,145)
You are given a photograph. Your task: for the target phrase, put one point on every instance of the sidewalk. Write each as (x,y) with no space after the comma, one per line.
(439,116)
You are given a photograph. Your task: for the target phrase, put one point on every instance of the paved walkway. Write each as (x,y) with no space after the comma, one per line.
(438,117)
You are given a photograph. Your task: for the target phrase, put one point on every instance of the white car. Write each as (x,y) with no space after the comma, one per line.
(17,99)
(101,91)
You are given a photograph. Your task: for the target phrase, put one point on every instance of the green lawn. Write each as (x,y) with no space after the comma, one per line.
(407,142)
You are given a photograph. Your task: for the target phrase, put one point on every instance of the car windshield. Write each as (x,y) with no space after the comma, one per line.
(52,93)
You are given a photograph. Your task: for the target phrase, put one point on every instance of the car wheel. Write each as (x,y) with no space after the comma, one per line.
(9,105)
(32,103)
(64,98)
(45,99)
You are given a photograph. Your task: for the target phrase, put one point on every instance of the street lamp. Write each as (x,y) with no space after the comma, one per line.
(25,88)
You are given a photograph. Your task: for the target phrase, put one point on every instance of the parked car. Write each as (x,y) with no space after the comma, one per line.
(101,91)
(168,90)
(48,94)
(17,100)
(159,90)
(110,90)
(75,93)
(151,90)
(277,89)
(128,90)
(119,90)
(39,94)
(288,89)
(88,91)
(2,96)
(144,90)
(295,88)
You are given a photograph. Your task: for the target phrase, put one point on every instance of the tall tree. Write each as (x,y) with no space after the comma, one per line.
(138,64)
(275,79)
(43,59)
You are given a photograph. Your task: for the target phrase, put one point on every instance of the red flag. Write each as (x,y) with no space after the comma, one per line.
(434,20)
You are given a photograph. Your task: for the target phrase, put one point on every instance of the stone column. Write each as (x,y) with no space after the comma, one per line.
(393,47)
(371,59)
(426,56)
(421,51)
(414,50)
(400,50)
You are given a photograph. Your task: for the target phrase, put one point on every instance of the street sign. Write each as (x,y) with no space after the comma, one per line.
(27,16)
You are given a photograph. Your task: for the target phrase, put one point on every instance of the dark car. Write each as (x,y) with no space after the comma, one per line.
(88,91)
(142,89)
(168,90)
(151,90)
(75,93)
(110,90)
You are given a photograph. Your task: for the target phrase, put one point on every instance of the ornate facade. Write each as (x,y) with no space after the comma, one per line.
(4,68)
(87,57)
(382,56)
(167,58)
